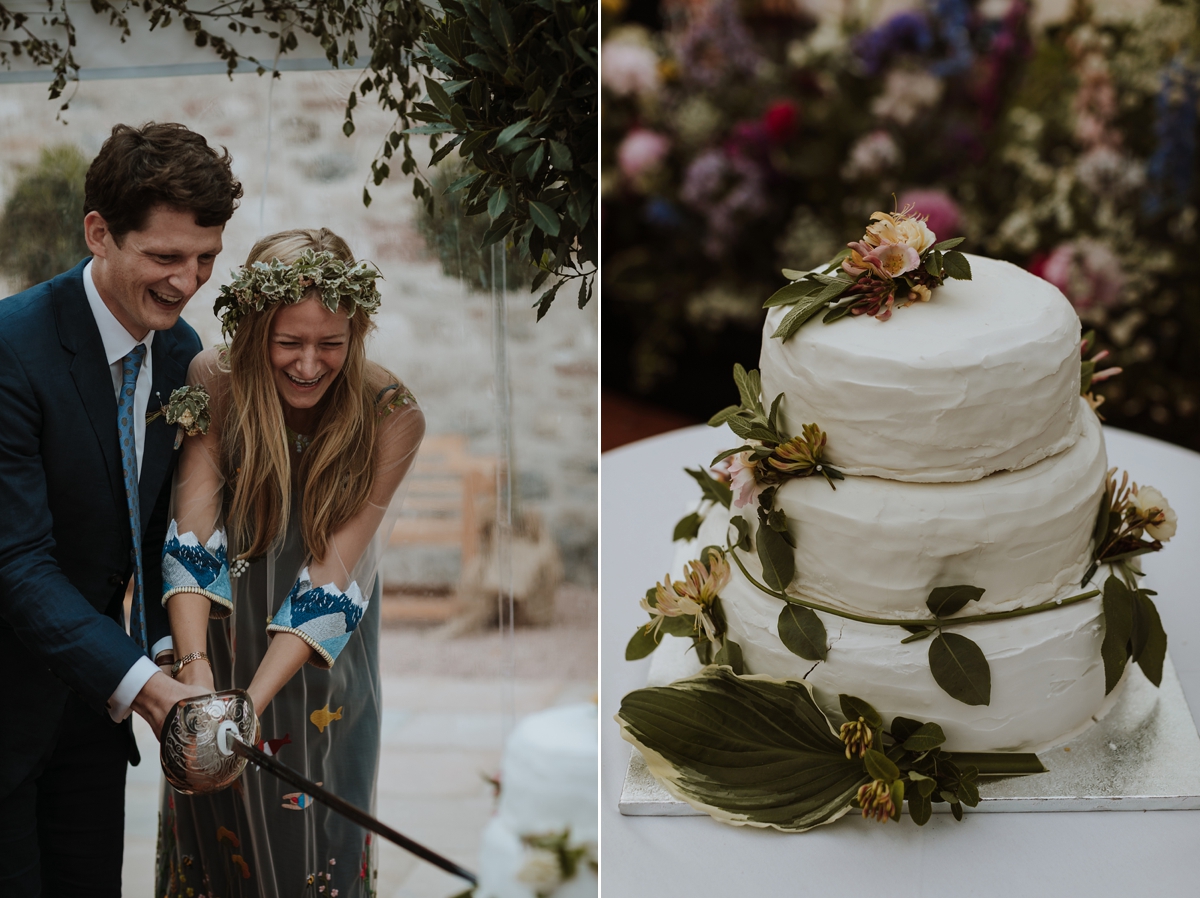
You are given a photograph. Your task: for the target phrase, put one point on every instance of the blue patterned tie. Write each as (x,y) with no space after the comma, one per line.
(130,366)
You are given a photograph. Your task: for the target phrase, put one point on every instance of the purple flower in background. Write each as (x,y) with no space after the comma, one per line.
(905,32)
(942,213)
(1086,271)
(716,45)
(1170,169)
(728,190)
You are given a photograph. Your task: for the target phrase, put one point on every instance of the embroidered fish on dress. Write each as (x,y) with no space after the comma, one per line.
(270,747)
(322,718)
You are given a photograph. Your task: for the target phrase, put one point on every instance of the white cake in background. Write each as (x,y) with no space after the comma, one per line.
(970,460)
(548,784)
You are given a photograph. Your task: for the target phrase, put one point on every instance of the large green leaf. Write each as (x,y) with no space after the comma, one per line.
(1154,645)
(1118,627)
(746,750)
(778,559)
(688,527)
(956,266)
(959,667)
(946,600)
(805,308)
(927,736)
(802,632)
(785,296)
(641,645)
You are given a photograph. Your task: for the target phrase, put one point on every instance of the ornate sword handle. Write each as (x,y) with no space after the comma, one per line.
(196,752)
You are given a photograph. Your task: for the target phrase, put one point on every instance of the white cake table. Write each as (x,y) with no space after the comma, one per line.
(1061,854)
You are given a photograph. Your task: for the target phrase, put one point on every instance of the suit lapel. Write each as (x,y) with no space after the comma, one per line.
(169,372)
(79,335)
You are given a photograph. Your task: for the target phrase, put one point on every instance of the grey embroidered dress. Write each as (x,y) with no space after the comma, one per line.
(260,837)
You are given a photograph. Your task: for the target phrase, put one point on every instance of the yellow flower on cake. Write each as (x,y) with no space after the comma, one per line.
(899,228)
(692,596)
(1152,507)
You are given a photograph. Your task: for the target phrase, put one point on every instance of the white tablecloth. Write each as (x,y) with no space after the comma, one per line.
(644,491)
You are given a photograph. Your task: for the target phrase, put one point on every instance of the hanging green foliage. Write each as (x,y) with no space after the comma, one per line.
(41,231)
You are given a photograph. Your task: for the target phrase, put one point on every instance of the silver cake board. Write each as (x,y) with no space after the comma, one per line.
(1143,754)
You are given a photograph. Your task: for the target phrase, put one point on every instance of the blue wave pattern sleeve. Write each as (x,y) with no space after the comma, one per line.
(322,616)
(188,566)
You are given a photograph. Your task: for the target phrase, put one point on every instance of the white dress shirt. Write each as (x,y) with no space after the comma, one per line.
(118,343)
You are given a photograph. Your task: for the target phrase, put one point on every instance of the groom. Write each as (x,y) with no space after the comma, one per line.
(85,486)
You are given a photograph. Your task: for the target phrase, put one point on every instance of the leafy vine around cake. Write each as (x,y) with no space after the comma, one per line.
(897,261)
(759,751)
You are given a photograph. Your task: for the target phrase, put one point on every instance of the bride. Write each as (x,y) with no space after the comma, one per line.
(279,514)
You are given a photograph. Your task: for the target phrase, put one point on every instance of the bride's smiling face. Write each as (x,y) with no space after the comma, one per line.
(308,348)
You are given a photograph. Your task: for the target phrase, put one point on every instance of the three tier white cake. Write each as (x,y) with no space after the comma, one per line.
(970,458)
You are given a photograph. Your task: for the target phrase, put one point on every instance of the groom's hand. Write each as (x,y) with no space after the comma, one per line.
(158,696)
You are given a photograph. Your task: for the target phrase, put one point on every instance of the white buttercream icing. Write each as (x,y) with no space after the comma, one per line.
(983,378)
(879,546)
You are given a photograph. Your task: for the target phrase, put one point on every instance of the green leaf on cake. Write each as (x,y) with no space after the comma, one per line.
(854,707)
(1150,637)
(721,417)
(743,533)
(728,452)
(749,385)
(920,808)
(785,296)
(749,750)
(1118,605)
(804,309)
(713,488)
(918,633)
(777,557)
(773,417)
(839,312)
(730,655)
(802,633)
(959,667)
(836,261)
(933,263)
(949,244)
(688,527)
(902,727)
(946,600)
(641,645)
(926,737)
(880,766)
(956,266)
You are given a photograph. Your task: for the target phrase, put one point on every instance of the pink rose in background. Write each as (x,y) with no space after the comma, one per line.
(641,152)
(1086,271)
(943,215)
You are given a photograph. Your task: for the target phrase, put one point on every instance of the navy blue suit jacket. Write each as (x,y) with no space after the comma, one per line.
(65,545)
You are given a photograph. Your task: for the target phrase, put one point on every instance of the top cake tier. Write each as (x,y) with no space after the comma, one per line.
(983,378)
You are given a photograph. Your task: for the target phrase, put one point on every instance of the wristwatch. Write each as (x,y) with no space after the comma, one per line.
(187,659)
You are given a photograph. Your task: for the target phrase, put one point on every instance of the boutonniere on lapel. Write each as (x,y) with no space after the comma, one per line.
(188,408)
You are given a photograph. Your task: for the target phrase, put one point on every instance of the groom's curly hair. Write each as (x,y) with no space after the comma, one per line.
(160,163)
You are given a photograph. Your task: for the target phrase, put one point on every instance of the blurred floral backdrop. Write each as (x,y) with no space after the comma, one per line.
(743,137)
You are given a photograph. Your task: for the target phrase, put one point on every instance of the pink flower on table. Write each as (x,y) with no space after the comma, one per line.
(742,480)
(641,152)
(1086,271)
(941,213)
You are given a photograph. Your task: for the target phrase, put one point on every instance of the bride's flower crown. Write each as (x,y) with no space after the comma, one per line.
(260,284)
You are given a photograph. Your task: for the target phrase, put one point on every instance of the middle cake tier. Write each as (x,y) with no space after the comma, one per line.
(879,546)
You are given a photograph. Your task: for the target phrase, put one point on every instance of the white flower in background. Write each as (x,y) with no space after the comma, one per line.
(1152,506)
(829,39)
(1104,171)
(541,871)
(905,95)
(871,155)
(629,65)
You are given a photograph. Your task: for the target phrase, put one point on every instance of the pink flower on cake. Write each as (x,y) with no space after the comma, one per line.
(1152,507)
(901,228)
(691,597)
(887,261)
(742,479)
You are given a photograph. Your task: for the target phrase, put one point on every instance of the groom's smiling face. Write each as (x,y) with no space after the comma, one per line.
(146,277)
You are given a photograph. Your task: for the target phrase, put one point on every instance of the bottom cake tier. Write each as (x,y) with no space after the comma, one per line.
(1047,675)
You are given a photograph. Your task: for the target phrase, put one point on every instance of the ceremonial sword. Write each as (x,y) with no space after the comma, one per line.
(343,807)
(204,746)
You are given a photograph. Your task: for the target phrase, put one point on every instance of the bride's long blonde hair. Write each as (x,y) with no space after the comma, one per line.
(336,468)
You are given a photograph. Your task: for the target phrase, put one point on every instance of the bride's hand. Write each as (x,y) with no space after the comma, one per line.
(197,674)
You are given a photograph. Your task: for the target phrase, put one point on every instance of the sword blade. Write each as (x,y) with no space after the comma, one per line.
(347,810)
